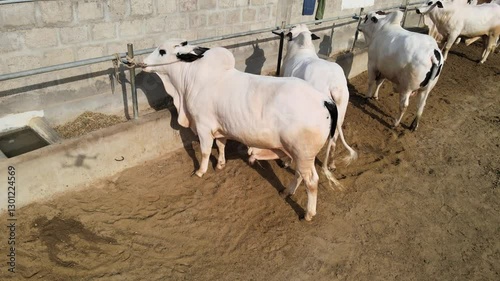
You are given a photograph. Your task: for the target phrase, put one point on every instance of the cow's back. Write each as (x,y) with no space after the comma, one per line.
(323,75)
(394,50)
(262,110)
(468,20)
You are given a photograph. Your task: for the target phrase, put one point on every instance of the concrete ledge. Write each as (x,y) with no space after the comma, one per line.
(353,63)
(80,162)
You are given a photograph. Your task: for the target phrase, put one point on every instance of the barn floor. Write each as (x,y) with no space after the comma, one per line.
(417,206)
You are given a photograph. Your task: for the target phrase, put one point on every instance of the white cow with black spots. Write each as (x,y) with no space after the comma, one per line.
(412,61)
(454,19)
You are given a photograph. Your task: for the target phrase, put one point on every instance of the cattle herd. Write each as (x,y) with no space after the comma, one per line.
(291,117)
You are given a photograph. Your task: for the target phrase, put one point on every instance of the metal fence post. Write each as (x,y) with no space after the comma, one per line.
(281,34)
(135,106)
(405,12)
(357,29)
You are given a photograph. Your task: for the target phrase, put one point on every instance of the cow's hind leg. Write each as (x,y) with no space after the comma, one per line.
(490,45)
(311,179)
(306,169)
(221,145)
(403,105)
(422,98)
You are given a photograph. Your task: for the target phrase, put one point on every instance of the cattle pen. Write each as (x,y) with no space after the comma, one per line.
(119,203)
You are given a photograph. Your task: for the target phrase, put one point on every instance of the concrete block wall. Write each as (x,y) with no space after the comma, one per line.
(49,32)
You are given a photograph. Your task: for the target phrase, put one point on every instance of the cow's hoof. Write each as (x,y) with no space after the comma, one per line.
(251,160)
(413,126)
(199,173)
(221,166)
(332,167)
(308,217)
(395,124)
(284,194)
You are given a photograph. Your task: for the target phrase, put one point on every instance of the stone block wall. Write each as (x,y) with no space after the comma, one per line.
(48,32)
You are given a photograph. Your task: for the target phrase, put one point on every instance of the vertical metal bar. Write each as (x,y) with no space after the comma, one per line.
(135,106)
(405,12)
(281,34)
(280,53)
(357,29)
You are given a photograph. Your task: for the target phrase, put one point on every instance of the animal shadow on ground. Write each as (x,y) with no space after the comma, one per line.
(54,240)
(236,150)
(462,55)
(360,101)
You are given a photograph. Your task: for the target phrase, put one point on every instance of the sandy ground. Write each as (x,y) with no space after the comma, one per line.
(417,206)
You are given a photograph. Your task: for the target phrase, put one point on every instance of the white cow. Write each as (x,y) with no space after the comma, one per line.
(327,77)
(274,116)
(410,60)
(453,19)
(433,29)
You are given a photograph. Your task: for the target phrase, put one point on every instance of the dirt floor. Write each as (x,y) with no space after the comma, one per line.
(417,206)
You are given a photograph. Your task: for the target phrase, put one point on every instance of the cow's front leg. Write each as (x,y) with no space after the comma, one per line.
(449,44)
(489,46)
(374,82)
(206,142)
(221,145)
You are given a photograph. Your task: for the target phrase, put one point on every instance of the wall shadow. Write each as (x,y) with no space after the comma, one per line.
(152,87)
(345,61)
(256,60)
(325,47)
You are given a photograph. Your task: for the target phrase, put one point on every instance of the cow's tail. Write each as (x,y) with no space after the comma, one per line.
(332,109)
(437,63)
(353,155)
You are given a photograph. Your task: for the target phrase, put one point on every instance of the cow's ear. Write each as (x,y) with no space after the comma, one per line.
(439,4)
(314,36)
(374,19)
(289,35)
(196,53)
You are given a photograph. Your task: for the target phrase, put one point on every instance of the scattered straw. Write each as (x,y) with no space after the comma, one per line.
(87,122)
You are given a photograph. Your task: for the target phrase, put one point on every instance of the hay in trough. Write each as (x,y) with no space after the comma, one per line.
(87,122)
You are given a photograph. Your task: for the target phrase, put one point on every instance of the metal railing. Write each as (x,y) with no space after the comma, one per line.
(2,2)
(276,30)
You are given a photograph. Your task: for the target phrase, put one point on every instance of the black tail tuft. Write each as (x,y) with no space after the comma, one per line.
(332,108)
(433,72)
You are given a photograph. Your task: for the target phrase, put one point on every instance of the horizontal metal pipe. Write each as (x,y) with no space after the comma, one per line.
(322,20)
(216,38)
(57,67)
(3,2)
